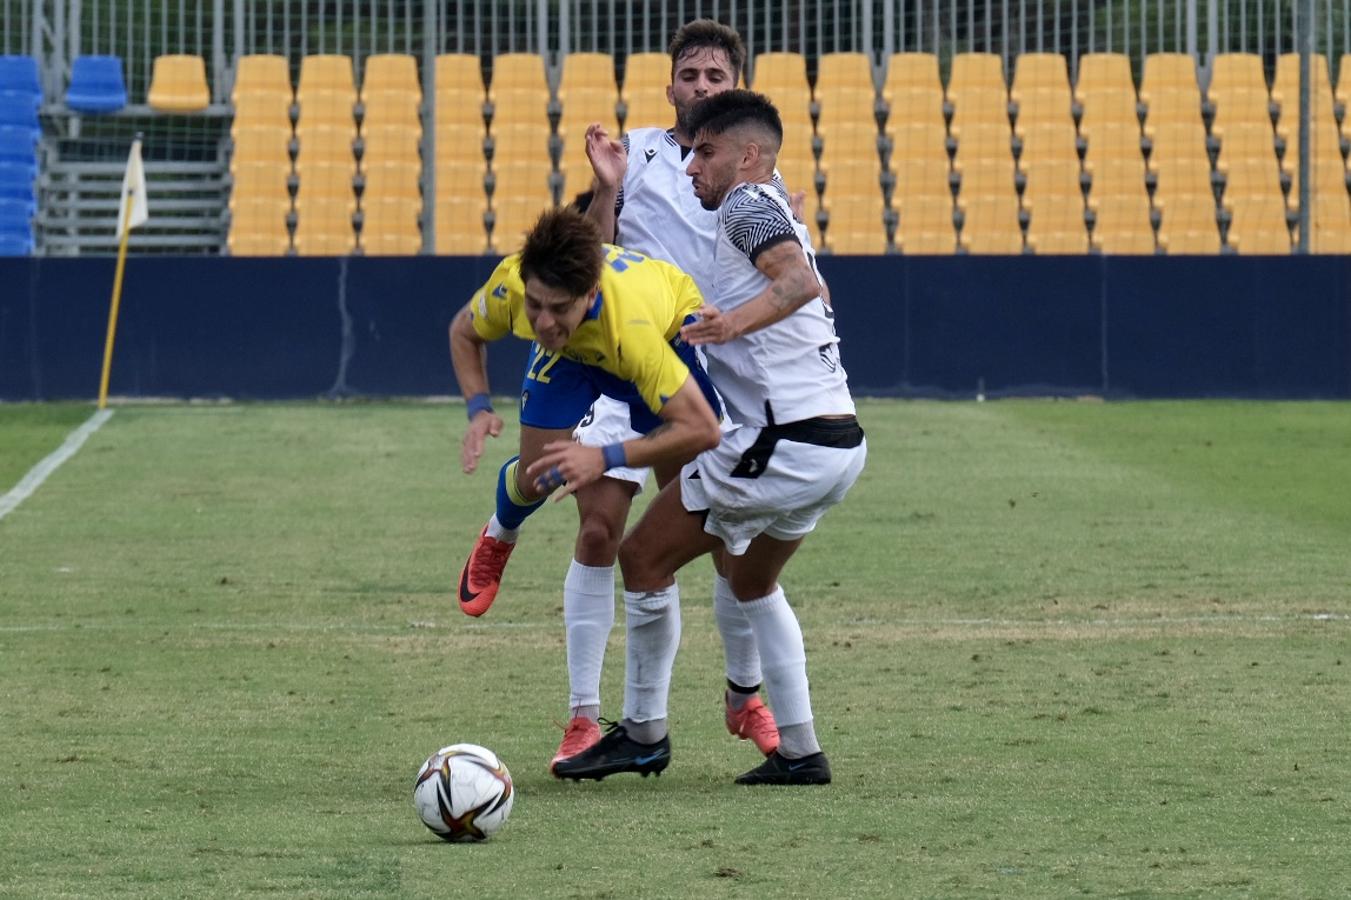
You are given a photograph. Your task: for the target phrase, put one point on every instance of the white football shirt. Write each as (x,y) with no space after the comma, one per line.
(790,370)
(657,211)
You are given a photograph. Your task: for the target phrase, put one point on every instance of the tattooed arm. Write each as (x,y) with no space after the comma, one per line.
(792,284)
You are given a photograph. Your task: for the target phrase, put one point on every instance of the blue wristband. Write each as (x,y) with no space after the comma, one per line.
(477,404)
(614,455)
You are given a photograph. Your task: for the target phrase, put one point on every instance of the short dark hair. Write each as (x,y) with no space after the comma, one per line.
(563,250)
(706,33)
(730,109)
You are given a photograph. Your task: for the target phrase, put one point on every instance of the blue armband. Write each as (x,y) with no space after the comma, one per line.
(614,455)
(477,404)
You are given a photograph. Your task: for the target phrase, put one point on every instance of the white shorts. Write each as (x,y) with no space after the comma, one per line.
(605,423)
(750,489)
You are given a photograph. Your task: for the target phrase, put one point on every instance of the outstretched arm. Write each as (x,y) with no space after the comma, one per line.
(469,356)
(792,284)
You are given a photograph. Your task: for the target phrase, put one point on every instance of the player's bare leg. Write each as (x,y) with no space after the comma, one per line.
(516,500)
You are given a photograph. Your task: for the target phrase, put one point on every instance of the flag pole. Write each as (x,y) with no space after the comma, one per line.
(133,190)
(113,308)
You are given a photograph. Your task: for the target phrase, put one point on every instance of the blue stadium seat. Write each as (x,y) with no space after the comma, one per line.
(17,182)
(18,144)
(20,75)
(19,110)
(96,85)
(12,244)
(15,215)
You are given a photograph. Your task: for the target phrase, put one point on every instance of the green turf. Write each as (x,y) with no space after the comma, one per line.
(29,431)
(1056,649)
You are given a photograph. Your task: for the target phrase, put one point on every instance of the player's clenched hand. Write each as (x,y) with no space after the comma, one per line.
(712,328)
(608,158)
(565,466)
(484,424)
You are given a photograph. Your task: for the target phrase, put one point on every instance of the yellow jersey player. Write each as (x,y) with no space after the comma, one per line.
(602,321)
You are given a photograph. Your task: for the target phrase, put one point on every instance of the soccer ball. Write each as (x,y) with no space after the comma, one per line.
(463,793)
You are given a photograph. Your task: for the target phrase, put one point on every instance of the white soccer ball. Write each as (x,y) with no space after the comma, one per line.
(463,793)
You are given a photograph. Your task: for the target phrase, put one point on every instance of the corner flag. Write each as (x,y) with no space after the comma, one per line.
(133,210)
(137,212)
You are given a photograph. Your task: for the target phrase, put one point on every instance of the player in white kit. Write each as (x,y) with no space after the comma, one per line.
(797,449)
(643,199)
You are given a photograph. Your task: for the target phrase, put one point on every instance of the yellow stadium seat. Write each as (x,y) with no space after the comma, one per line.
(326,87)
(646,76)
(324,224)
(460,229)
(390,94)
(917,140)
(178,84)
(258,226)
(262,74)
(1041,89)
(1167,72)
(1122,223)
(588,93)
(917,71)
(990,223)
(459,96)
(256,143)
(782,79)
(389,227)
(518,91)
(924,224)
(1103,74)
(918,176)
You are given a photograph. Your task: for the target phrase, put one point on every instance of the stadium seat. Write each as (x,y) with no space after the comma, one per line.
(857,226)
(390,95)
(518,91)
(521,192)
(18,144)
(262,93)
(646,76)
(1121,223)
(17,182)
(1103,74)
(391,165)
(258,226)
(461,167)
(96,85)
(587,92)
(324,222)
(977,91)
(178,84)
(924,224)
(326,92)
(782,77)
(19,75)
(990,223)
(847,127)
(1041,89)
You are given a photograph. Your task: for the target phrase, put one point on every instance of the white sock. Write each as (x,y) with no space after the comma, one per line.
(588,617)
(497,532)
(738,641)
(779,639)
(652,621)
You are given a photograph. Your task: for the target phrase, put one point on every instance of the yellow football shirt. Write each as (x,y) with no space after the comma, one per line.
(641,305)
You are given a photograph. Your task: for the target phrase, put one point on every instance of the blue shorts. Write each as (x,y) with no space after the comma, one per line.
(561,397)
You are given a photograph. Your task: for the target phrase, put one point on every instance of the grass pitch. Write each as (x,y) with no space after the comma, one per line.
(1055,648)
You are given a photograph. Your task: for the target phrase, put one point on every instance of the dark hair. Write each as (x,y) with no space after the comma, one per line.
(582,202)
(563,251)
(730,109)
(706,33)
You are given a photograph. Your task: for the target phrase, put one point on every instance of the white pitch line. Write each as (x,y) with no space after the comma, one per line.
(413,627)
(39,473)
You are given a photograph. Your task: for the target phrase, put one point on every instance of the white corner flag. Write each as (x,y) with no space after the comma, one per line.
(133,187)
